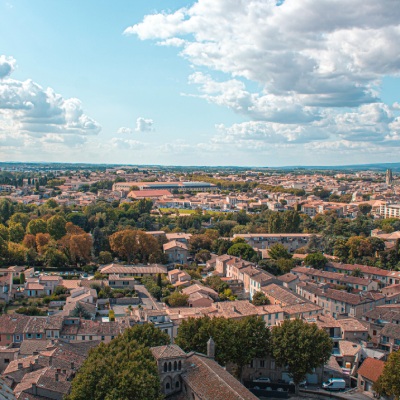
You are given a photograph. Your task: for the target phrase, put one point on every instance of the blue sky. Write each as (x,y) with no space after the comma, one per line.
(211,82)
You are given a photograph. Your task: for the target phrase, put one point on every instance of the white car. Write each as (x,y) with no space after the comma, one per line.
(301,384)
(262,379)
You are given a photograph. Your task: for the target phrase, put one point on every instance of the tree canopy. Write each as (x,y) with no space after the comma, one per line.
(300,347)
(123,369)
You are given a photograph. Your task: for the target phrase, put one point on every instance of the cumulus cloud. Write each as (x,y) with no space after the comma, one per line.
(144,125)
(7,65)
(34,117)
(124,130)
(314,67)
(124,144)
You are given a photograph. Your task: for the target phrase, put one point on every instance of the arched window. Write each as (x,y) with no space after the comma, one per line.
(175,366)
(179,365)
(169,366)
(165,367)
(167,386)
(177,384)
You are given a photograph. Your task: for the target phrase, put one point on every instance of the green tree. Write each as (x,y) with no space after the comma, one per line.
(123,369)
(260,299)
(16,232)
(199,242)
(105,257)
(357,273)
(316,260)
(19,218)
(177,299)
(21,278)
(80,312)
(55,258)
(203,256)
(236,341)
(388,383)
(36,226)
(56,227)
(365,208)
(244,251)
(300,347)
(278,251)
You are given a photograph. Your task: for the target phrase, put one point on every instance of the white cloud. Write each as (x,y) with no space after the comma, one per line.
(124,131)
(7,66)
(144,125)
(124,144)
(27,108)
(314,66)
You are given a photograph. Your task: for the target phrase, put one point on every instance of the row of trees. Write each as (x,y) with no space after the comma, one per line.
(296,345)
(124,369)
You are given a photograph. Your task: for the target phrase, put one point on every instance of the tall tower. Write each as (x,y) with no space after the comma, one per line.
(389,177)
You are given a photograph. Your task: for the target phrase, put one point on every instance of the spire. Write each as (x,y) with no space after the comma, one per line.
(211,348)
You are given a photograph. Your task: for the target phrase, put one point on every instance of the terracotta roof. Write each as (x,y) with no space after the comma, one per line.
(391,330)
(212,382)
(168,351)
(289,277)
(371,369)
(174,243)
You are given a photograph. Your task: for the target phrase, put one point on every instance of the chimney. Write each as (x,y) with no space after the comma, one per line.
(211,348)
(233,308)
(20,365)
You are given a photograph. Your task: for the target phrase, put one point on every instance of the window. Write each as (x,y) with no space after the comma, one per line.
(83,337)
(177,384)
(262,363)
(29,336)
(38,336)
(167,386)
(272,364)
(90,337)
(103,338)
(175,366)
(170,366)
(179,365)
(6,361)
(165,367)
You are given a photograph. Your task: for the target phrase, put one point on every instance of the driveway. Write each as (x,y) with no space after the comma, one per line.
(147,299)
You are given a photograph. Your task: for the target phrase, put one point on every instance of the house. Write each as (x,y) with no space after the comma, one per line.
(121,282)
(369,372)
(177,252)
(291,241)
(384,277)
(179,237)
(335,278)
(200,296)
(390,337)
(133,270)
(289,281)
(179,278)
(159,318)
(377,318)
(196,376)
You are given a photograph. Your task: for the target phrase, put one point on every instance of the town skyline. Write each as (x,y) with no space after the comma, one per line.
(151,83)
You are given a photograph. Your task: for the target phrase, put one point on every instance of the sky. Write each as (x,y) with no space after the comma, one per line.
(206,82)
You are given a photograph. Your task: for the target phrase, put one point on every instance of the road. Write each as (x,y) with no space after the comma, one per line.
(147,300)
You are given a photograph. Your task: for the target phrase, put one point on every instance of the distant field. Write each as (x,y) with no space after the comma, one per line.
(185,211)
(181,211)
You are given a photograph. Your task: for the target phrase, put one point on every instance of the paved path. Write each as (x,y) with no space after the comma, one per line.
(147,300)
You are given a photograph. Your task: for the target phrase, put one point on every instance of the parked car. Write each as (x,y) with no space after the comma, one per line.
(301,384)
(334,384)
(263,379)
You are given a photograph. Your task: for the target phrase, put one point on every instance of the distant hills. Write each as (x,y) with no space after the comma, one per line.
(378,167)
